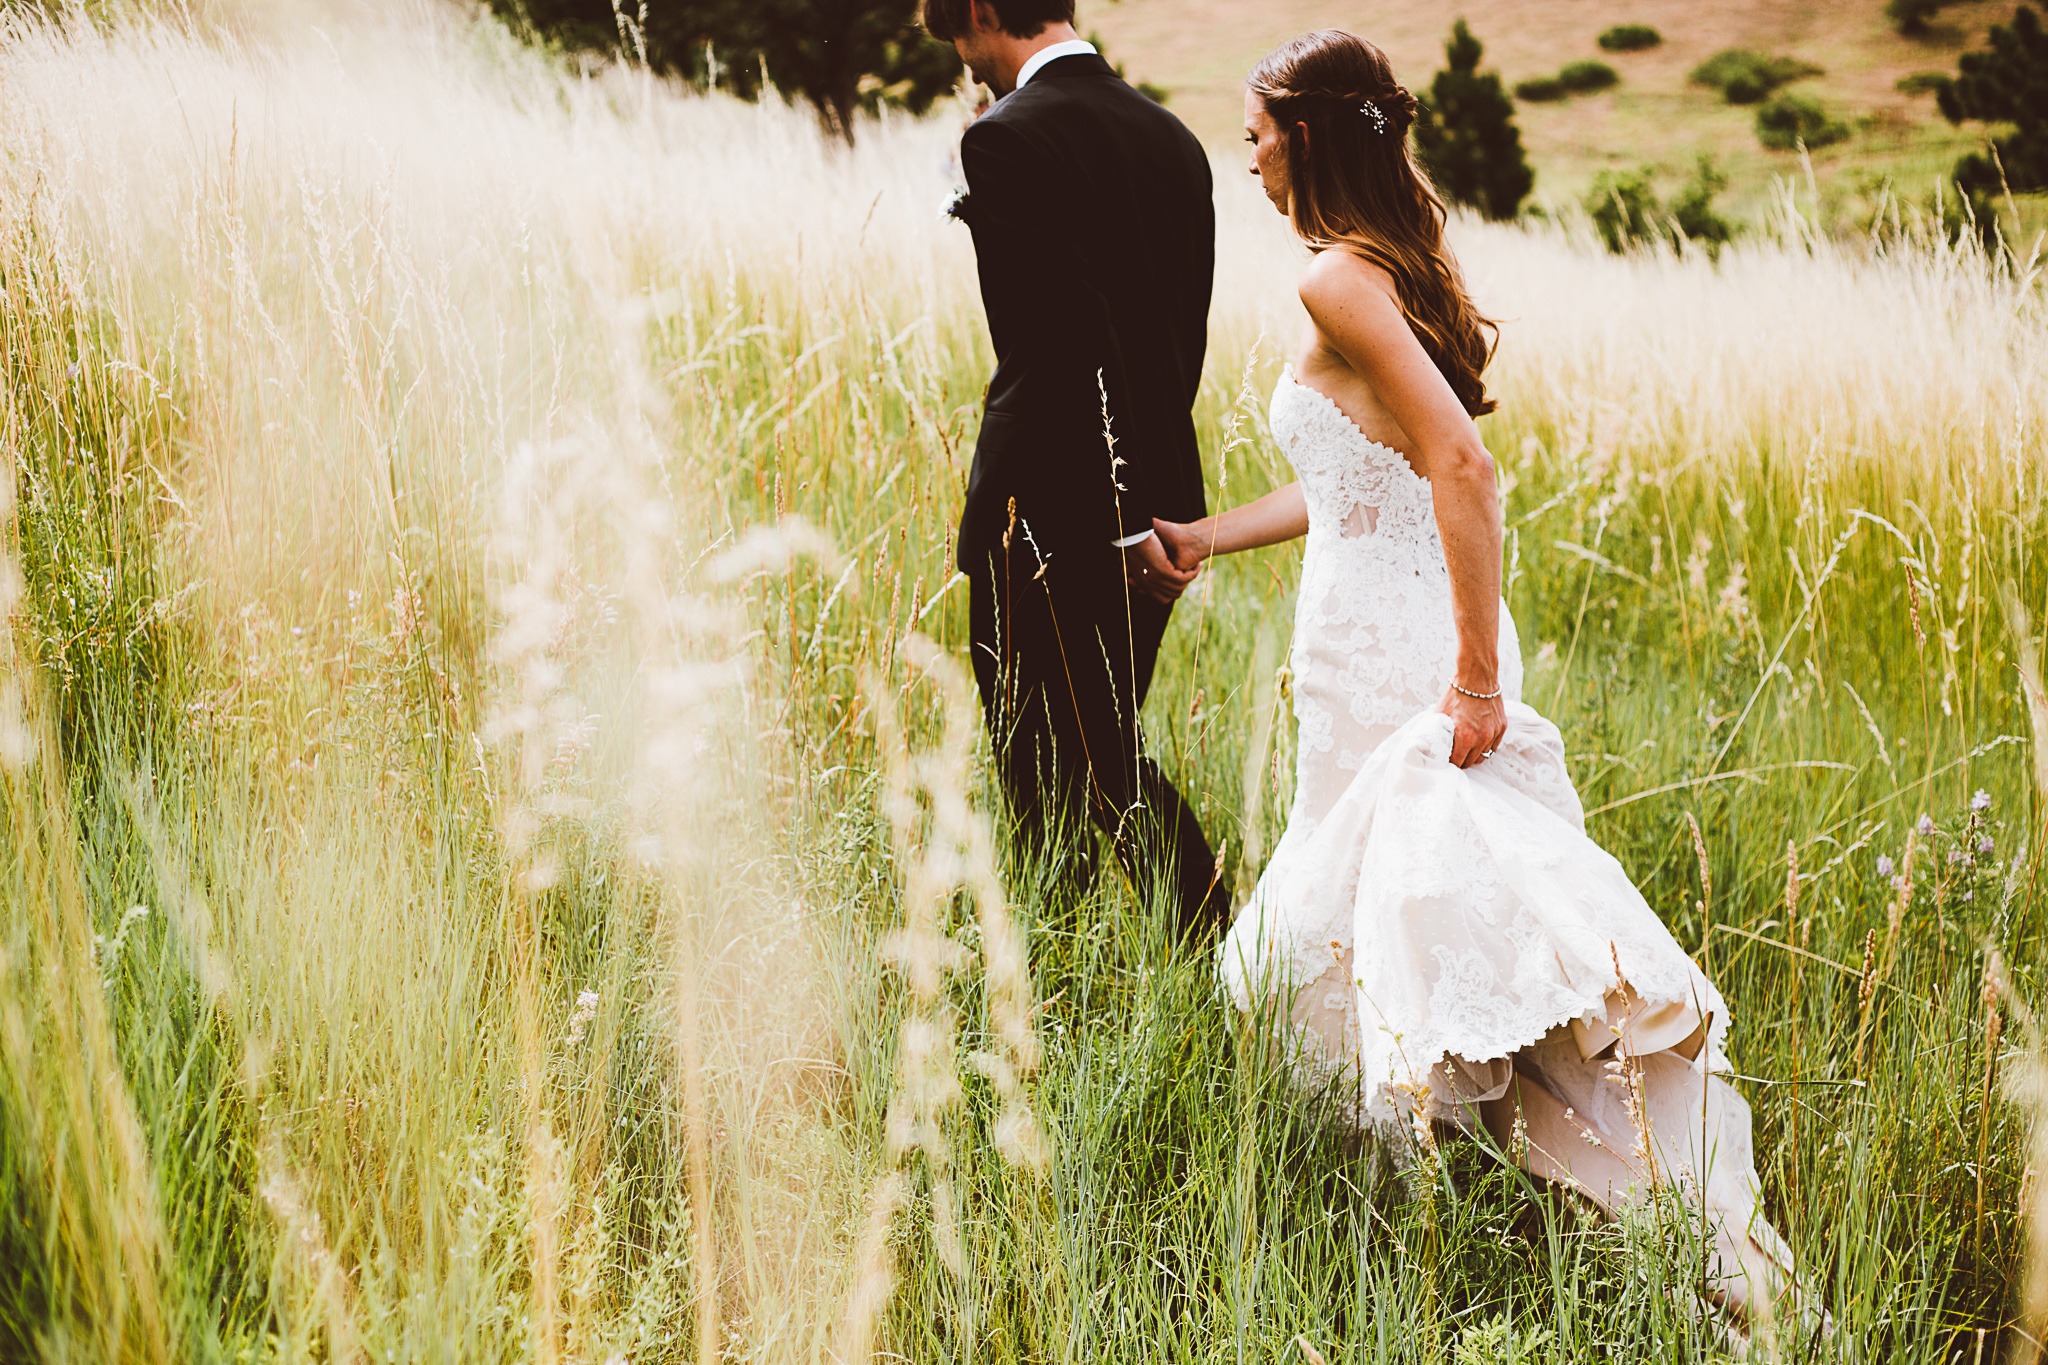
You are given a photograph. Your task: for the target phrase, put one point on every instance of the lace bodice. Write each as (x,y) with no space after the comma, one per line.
(1362,497)
(1374,638)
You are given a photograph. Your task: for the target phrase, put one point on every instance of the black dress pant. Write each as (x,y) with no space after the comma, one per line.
(1064,659)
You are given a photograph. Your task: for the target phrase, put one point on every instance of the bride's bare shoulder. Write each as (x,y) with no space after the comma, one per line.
(1338,282)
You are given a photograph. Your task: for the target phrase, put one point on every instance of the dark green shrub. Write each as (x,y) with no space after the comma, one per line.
(1541,90)
(1629,38)
(1790,119)
(1626,213)
(1745,77)
(1910,16)
(2006,83)
(1745,88)
(1577,78)
(1922,83)
(1465,133)
(1582,77)
(1624,208)
(1692,212)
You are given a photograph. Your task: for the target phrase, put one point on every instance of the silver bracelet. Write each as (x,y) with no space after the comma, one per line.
(1476,696)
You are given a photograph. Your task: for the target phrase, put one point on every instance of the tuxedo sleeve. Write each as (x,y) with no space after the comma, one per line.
(1054,331)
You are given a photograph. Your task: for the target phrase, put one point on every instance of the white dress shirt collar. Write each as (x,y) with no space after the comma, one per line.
(1073,47)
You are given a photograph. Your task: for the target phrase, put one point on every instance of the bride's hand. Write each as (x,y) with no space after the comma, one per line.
(1477,727)
(1186,549)
(1153,572)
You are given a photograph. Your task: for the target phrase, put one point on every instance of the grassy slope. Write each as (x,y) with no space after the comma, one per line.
(1200,50)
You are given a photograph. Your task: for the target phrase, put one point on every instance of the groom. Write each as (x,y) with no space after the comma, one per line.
(1095,237)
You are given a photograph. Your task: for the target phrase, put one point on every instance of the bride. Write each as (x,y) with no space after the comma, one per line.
(1436,920)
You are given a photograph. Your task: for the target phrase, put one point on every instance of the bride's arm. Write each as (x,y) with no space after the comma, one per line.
(1279,516)
(1352,304)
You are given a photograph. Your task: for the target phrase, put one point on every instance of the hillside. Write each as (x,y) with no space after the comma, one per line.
(1200,49)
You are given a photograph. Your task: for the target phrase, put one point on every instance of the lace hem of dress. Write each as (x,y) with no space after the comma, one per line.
(1477,913)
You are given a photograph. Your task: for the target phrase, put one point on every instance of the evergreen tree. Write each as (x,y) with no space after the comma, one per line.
(842,56)
(2008,83)
(1466,137)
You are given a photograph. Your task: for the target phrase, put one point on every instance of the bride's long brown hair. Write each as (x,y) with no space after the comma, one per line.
(1354,186)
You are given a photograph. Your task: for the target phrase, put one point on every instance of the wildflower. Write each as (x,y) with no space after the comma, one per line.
(1970,895)
(1884,865)
(1926,825)
(1734,601)
(579,1022)
(1981,801)
(1984,845)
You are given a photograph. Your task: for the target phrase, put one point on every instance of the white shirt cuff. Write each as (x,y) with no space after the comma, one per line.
(1128,541)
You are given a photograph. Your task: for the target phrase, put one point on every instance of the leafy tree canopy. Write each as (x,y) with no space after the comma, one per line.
(841,56)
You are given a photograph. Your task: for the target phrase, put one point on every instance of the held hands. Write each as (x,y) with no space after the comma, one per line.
(1185,548)
(1152,571)
(1477,727)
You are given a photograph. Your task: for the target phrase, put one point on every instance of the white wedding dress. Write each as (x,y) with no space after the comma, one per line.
(1449,940)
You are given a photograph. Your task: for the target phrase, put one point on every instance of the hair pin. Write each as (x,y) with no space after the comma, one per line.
(1372,111)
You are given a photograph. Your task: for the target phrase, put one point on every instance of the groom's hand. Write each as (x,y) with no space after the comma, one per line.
(1152,573)
(1477,727)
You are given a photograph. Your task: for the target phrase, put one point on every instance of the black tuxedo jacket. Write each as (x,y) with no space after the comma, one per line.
(1095,236)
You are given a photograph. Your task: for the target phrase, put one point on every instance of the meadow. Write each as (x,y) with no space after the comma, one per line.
(499,860)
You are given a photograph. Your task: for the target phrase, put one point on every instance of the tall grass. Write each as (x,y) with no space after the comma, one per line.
(493,870)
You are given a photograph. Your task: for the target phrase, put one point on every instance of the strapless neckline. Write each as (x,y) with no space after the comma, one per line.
(1287,378)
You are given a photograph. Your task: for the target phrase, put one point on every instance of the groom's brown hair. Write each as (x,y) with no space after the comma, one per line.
(948,19)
